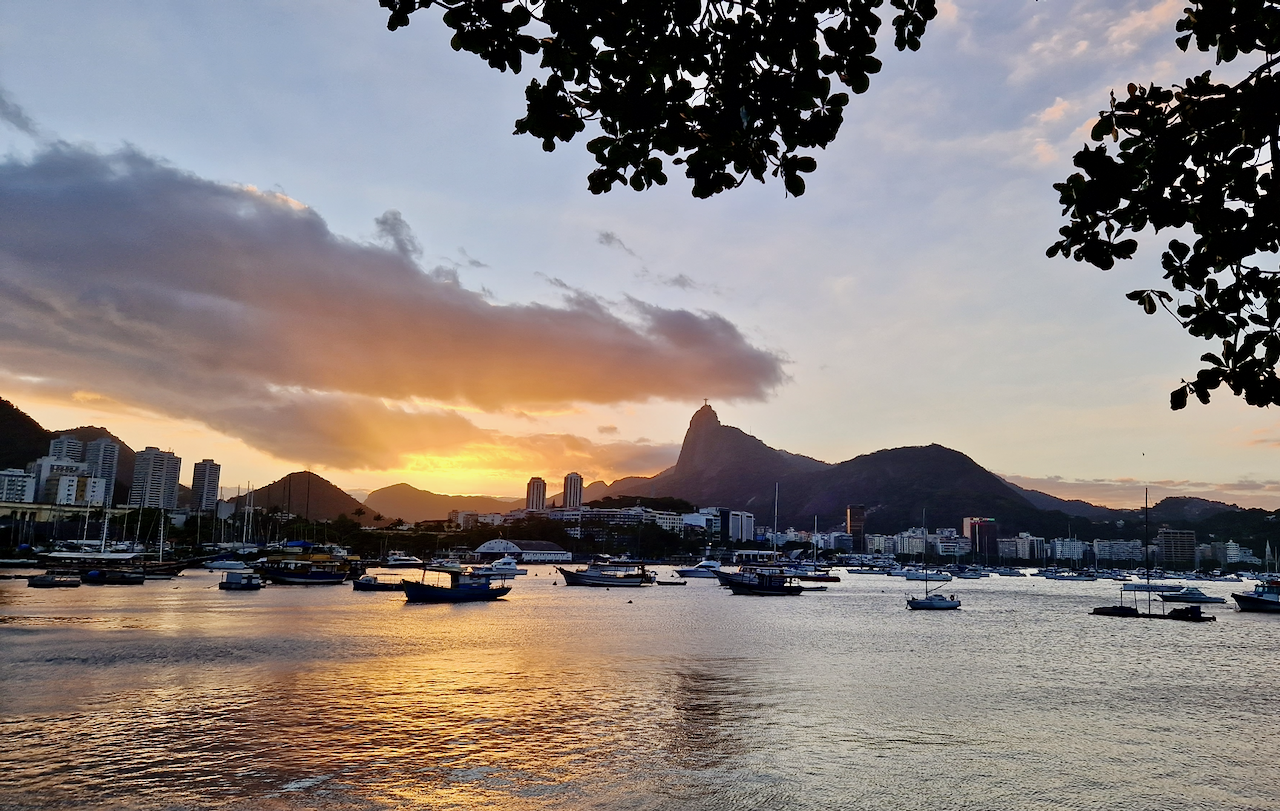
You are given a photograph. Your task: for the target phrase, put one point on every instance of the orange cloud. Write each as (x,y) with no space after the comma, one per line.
(160,290)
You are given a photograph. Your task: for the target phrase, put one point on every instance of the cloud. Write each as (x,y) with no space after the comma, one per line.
(612,240)
(607,429)
(238,308)
(1128,493)
(16,117)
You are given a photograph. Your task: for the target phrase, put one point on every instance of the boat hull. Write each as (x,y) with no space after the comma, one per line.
(1248,602)
(425,593)
(365,585)
(109,577)
(932,604)
(304,578)
(587,578)
(759,584)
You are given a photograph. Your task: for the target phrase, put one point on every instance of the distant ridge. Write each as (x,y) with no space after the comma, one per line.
(411,504)
(309,496)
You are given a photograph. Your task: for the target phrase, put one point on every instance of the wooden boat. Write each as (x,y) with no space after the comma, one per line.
(240,581)
(761,581)
(371,582)
(54,579)
(613,573)
(315,568)
(465,586)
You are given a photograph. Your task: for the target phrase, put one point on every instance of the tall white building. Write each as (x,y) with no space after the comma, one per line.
(155,479)
(67,447)
(535,495)
(103,458)
(572,491)
(48,469)
(17,485)
(204,485)
(79,491)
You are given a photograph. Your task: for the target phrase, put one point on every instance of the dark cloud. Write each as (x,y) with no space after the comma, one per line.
(126,277)
(16,117)
(612,240)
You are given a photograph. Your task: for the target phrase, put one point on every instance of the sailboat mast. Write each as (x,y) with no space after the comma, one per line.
(775,520)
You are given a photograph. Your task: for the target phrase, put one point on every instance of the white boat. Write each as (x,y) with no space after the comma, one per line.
(506,566)
(1190,594)
(706,568)
(926,575)
(1264,597)
(226,565)
(399,560)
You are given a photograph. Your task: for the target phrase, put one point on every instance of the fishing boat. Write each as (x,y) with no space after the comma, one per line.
(1265,597)
(240,581)
(611,573)
(370,582)
(464,586)
(761,581)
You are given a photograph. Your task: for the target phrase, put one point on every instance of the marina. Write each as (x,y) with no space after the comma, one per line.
(573,698)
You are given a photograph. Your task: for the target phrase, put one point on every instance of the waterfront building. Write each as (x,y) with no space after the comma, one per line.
(17,485)
(1118,550)
(1068,549)
(103,458)
(1177,547)
(67,446)
(204,485)
(48,469)
(155,479)
(463,519)
(525,551)
(535,495)
(981,533)
(572,491)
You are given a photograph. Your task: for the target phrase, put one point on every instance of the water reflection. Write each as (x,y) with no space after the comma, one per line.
(181,696)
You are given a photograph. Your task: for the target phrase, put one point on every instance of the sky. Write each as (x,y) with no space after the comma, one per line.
(279,236)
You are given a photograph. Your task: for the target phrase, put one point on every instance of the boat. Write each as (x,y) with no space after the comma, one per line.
(612,573)
(505,565)
(1083,577)
(1265,597)
(370,582)
(329,567)
(1009,571)
(1156,588)
(240,581)
(1190,594)
(465,586)
(113,577)
(54,579)
(1116,611)
(399,560)
(706,568)
(926,575)
(672,582)
(762,581)
(226,565)
(933,602)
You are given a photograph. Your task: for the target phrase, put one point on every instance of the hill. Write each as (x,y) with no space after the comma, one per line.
(411,504)
(22,439)
(309,496)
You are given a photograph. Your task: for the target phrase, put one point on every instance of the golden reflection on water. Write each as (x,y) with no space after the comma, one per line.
(176,695)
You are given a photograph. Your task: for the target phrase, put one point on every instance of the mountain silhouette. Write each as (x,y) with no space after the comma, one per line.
(411,504)
(309,496)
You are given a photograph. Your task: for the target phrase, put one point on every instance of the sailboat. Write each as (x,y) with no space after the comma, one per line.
(932,601)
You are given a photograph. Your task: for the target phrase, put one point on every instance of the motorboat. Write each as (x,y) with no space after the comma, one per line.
(933,602)
(1190,594)
(1009,571)
(926,575)
(1082,577)
(370,582)
(761,581)
(113,577)
(612,573)
(240,581)
(505,566)
(399,560)
(465,586)
(706,568)
(1264,597)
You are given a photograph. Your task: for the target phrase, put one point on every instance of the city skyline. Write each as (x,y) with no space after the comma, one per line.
(463,314)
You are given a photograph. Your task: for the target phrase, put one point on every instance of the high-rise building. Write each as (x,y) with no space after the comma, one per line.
(855,523)
(572,491)
(67,447)
(155,479)
(981,533)
(1177,546)
(17,485)
(204,485)
(48,469)
(535,495)
(103,458)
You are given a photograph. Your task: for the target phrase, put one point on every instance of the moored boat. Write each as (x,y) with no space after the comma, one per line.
(465,586)
(933,602)
(612,573)
(54,579)
(1190,594)
(506,565)
(399,560)
(371,582)
(113,577)
(1265,597)
(240,581)
(706,568)
(761,581)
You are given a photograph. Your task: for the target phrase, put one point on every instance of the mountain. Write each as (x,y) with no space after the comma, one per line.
(309,496)
(722,466)
(411,504)
(22,439)
(1075,507)
(1188,508)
